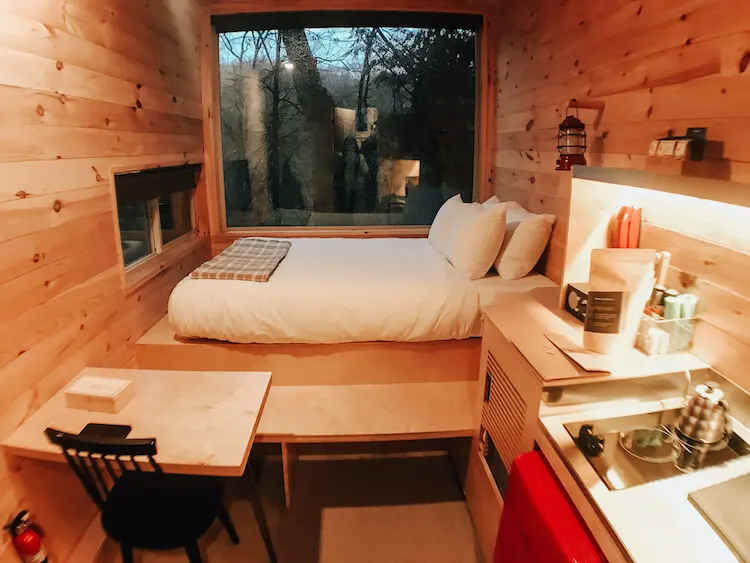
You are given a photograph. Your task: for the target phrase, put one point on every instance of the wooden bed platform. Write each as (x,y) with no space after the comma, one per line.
(332,393)
(315,364)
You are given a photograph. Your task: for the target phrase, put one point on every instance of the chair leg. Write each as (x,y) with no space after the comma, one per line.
(127,553)
(193,553)
(226,521)
(259,514)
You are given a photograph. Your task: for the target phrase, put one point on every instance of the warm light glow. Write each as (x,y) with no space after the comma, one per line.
(594,203)
(614,478)
(289,65)
(715,221)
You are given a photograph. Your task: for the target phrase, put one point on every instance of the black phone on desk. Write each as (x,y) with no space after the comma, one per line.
(106,431)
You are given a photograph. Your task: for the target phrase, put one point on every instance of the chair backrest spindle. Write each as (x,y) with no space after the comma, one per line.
(110,468)
(92,459)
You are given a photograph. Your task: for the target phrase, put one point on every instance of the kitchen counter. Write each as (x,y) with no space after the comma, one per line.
(539,310)
(654,522)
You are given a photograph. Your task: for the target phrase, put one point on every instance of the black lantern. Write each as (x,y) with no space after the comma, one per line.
(571,142)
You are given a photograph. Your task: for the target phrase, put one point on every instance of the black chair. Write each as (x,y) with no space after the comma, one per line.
(144,509)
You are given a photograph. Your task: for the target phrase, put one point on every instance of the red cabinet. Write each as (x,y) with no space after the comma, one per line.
(539,524)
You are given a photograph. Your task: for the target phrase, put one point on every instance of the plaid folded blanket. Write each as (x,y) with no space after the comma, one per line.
(247,259)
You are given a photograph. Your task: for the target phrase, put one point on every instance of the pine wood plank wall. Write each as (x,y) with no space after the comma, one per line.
(85,86)
(656,65)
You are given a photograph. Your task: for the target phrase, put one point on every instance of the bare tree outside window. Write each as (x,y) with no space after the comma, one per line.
(346,126)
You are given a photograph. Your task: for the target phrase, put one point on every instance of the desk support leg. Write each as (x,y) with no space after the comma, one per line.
(288,458)
(260,515)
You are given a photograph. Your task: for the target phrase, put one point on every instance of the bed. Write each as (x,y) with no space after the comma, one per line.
(333,291)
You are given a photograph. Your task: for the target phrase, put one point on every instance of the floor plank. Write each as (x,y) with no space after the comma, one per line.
(402,510)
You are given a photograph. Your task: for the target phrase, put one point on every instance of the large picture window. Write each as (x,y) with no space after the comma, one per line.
(357,119)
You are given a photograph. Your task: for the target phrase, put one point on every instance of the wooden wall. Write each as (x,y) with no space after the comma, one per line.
(655,64)
(710,245)
(85,86)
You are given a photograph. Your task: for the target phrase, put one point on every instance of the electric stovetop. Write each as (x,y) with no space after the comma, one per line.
(632,450)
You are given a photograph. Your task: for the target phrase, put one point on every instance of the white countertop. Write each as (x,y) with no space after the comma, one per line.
(655,522)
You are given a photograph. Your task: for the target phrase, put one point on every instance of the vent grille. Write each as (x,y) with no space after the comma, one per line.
(503,412)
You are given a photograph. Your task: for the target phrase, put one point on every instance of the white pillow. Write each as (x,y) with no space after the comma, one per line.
(526,237)
(440,235)
(469,235)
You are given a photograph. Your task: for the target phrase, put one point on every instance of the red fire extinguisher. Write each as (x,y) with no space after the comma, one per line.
(27,539)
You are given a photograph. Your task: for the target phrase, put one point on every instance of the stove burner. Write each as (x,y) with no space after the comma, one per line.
(653,445)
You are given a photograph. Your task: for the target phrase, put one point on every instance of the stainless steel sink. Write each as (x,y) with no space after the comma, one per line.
(633,450)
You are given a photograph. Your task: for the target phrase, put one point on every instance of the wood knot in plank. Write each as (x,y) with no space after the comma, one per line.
(40,110)
(57,206)
(59,65)
(688,280)
(99,177)
(21,195)
(529,125)
(36,258)
(744,62)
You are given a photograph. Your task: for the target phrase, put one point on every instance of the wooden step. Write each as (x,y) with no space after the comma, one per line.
(363,413)
(356,363)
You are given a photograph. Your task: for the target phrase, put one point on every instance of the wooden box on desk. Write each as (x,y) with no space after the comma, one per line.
(100,394)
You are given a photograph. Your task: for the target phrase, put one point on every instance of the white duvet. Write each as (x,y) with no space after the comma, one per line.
(333,291)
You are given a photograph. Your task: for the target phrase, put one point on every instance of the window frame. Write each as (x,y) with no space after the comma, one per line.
(484,113)
(135,274)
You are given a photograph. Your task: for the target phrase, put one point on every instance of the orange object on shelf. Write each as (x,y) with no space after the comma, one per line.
(626,228)
(634,228)
(622,227)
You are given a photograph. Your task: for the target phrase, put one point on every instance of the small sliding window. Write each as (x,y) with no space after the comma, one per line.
(154,209)
(346,119)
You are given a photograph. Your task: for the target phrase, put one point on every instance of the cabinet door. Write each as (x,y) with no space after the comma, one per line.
(510,402)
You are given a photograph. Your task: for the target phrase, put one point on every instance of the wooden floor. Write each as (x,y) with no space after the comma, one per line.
(405,510)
